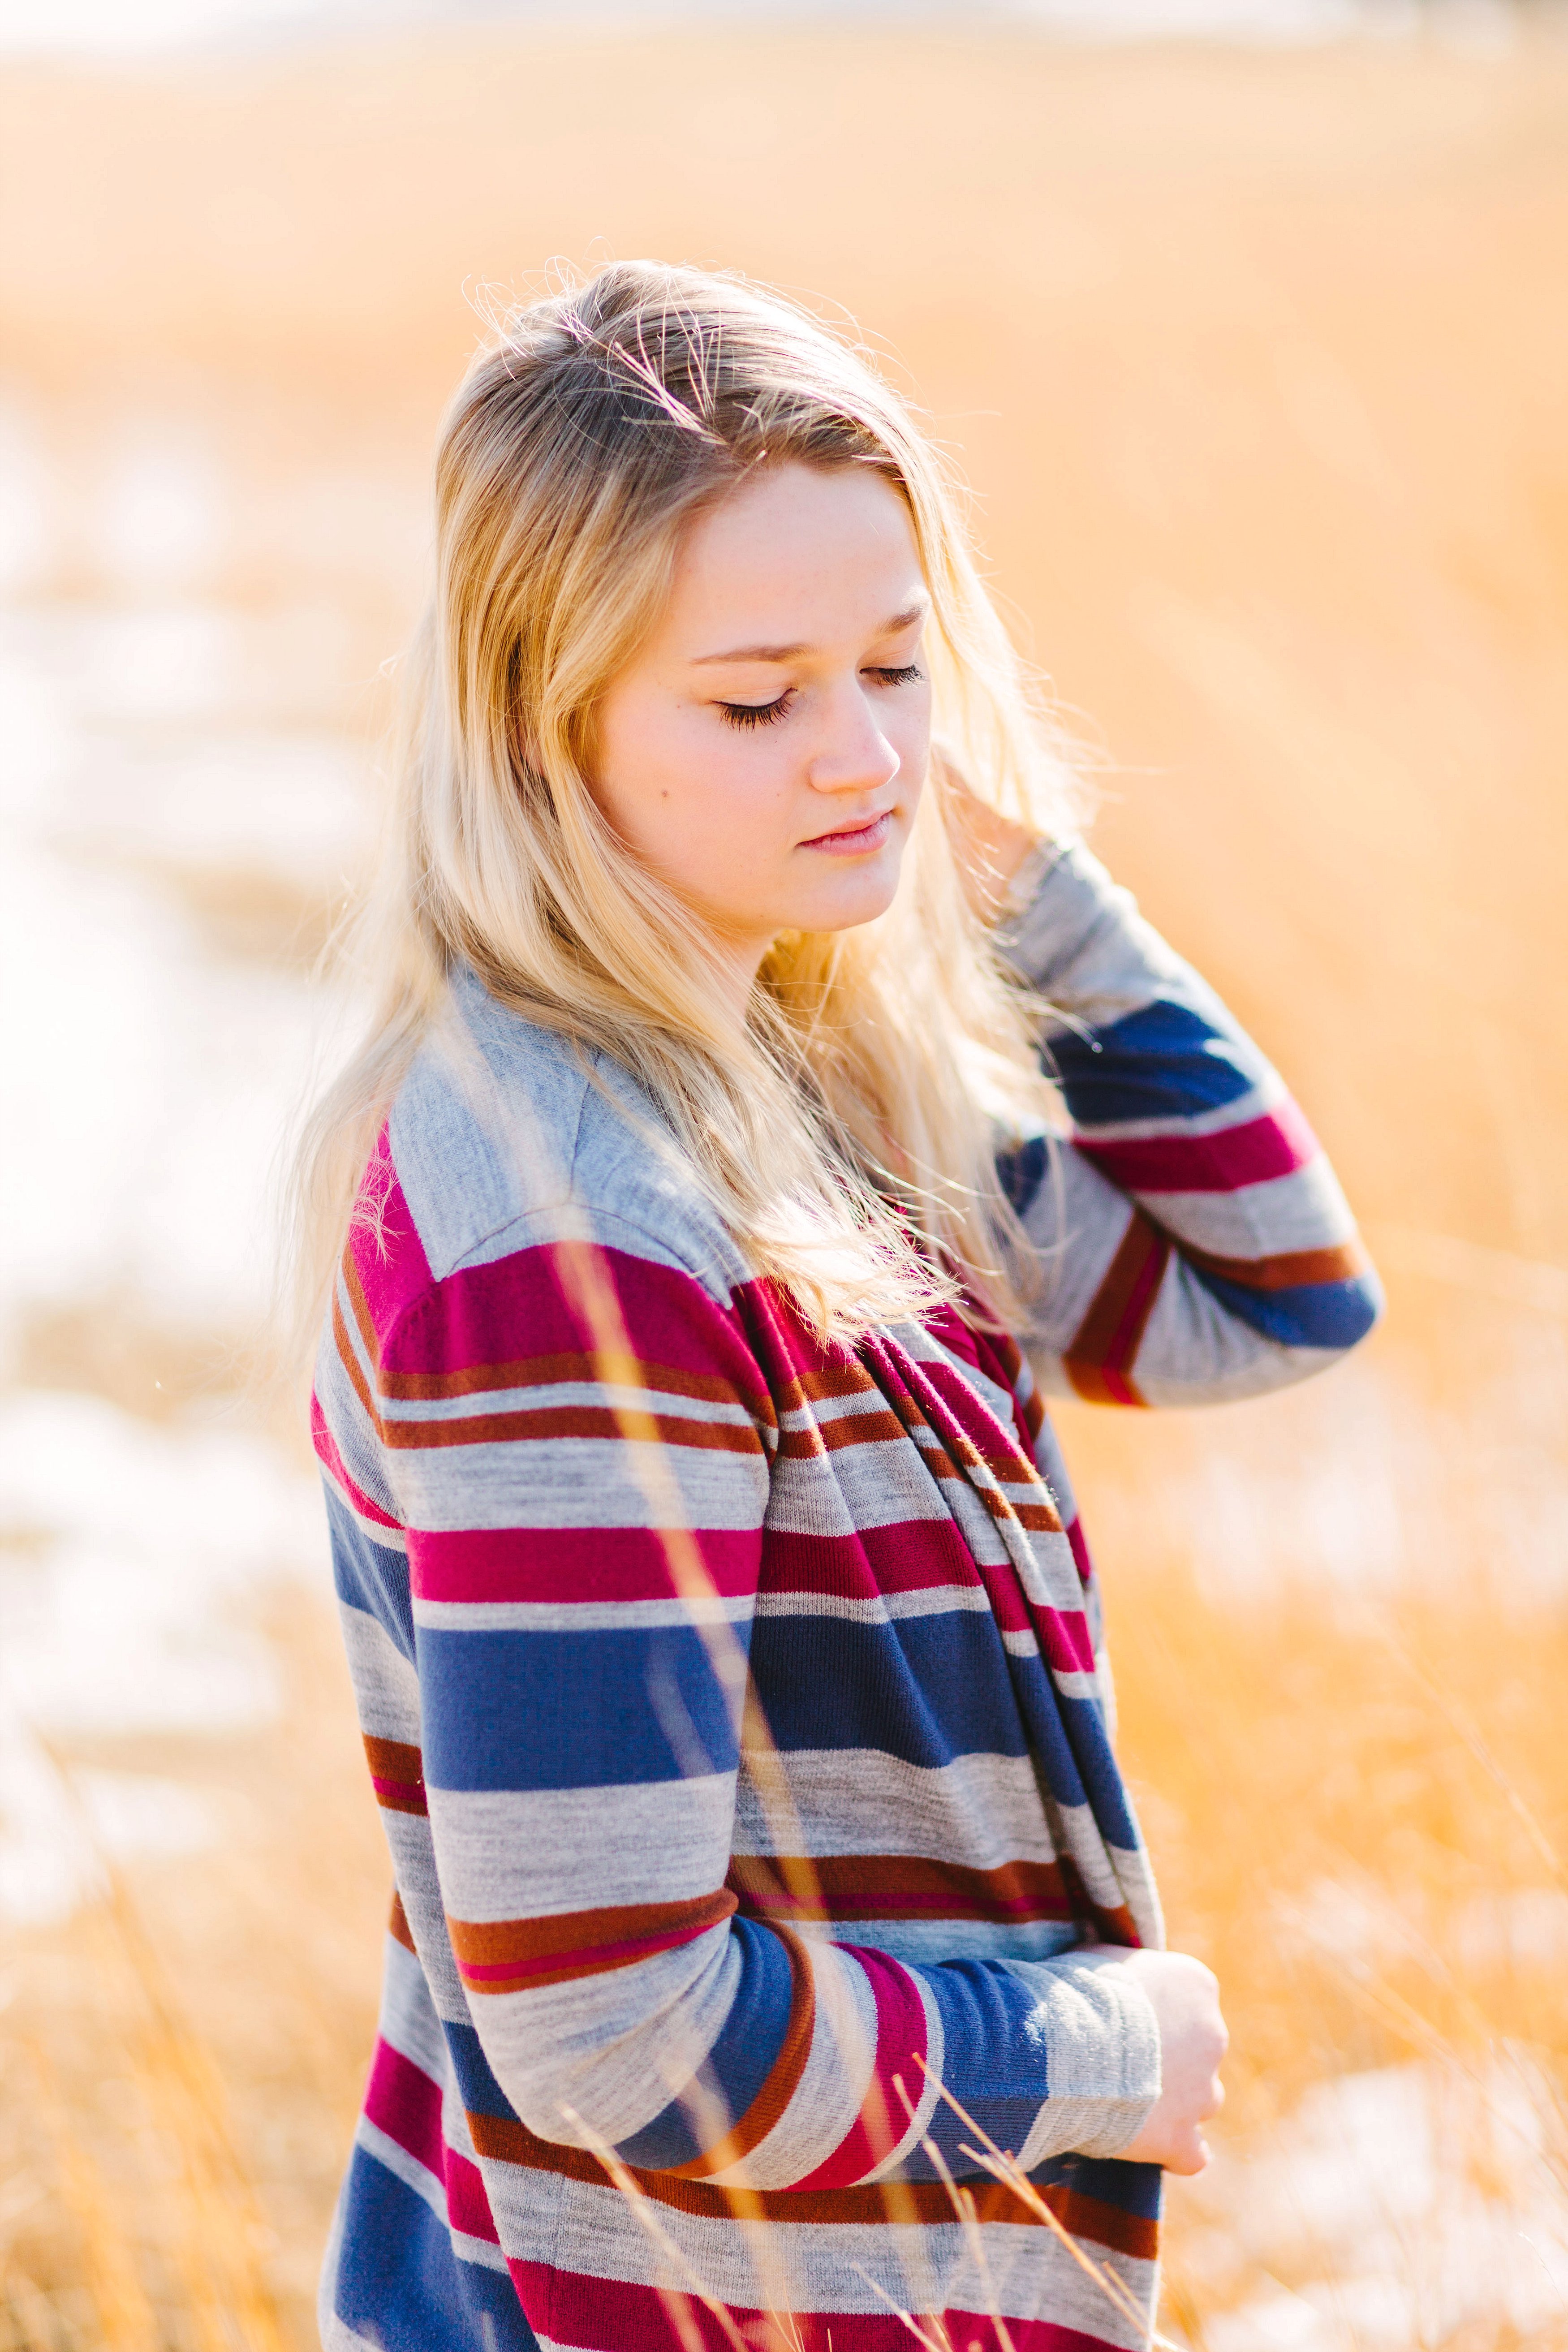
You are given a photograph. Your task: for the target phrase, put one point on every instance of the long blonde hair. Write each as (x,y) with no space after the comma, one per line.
(845,1128)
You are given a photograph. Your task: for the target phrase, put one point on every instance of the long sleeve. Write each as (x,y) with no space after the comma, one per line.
(1194,1244)
(584,1533)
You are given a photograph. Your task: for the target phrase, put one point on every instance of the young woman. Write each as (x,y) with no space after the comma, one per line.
(725,1645)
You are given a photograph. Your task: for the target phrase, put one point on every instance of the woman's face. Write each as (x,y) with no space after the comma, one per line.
(766,750)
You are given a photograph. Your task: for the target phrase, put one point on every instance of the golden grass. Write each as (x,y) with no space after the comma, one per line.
(183,2064)
(181,2067)
(1257,364)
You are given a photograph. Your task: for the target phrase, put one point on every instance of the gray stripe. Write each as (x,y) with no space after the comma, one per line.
(579,1616)
(580,1482)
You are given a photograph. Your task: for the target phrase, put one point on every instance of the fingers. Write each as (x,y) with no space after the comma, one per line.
(1189,2154)
(990,847)
(1190,2151)
(1184,1996)
(1178,2148)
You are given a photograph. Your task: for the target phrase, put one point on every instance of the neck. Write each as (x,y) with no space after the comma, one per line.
(736,963)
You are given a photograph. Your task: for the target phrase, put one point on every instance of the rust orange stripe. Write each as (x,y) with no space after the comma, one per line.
(782,2079)
(508,2141)
(398,1925)
(539,1371)
(398,1770)
(571,1421)
(351,1364)
(516,1955)
(1295,1270)
(894,1886)
(1102,1352)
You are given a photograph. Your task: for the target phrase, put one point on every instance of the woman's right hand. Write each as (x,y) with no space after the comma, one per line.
(990,847)
(1184,1996)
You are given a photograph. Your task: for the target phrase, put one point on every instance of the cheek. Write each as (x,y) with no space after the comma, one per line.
(643,770)
(713,786)
(698,801)
(910,738)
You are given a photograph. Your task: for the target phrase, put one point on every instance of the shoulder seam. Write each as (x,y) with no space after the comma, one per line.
(414,1307)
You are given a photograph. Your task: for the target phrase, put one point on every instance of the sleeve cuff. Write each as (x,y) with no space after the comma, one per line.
(1103,2057)
(1076,937)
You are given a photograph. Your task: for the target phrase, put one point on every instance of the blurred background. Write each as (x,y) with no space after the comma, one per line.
(1246,322)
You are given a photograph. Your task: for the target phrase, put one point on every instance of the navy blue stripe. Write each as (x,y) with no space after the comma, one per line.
(1021,1172)
(400,2285)
(993,2061)
(476,2087)
(525,1710)
(1165,1061)
(924,1689)
(1131,2188)
(739,2063)
(1318,1315)
(369,1576)
(1083,1721)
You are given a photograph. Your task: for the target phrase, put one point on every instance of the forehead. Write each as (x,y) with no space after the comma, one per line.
(802,550)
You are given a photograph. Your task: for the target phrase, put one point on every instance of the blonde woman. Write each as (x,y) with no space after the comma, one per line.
(725,1645)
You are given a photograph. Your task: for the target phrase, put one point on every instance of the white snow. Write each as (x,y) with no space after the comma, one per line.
(1394,2208)
(148,1079)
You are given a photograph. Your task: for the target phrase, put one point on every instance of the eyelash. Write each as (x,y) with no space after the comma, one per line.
(767,714)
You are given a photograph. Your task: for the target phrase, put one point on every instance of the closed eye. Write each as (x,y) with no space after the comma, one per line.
(756,714)
(768,714)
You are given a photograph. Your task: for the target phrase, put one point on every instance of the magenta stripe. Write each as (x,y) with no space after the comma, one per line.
(331,1461)
(1009,1601)
(965,1406)
(1256,1153)
(981,1427)
(389,1257)
(1065,1640)
(603,2314)
(569,1563)
(404,2102)
(900,2039)
(909,1556)
(485,1310)
(983,1349)
(468,2206)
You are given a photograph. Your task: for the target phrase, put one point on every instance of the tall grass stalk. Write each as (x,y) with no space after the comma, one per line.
(123,2310)
(208,2229)
(1003,2167)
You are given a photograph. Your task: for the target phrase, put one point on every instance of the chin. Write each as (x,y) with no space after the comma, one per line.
(844,911)
(860,898)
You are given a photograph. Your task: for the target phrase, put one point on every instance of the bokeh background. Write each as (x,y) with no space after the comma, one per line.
(1246,323)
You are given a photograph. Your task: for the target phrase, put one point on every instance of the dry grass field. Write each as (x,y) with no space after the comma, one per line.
(1257,363)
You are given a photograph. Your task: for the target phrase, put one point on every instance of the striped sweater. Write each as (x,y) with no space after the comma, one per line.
(736,1703)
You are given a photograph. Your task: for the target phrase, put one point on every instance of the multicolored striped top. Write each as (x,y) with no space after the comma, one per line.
(736,1702)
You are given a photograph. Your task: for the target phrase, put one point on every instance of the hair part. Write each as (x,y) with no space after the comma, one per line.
(846,1129)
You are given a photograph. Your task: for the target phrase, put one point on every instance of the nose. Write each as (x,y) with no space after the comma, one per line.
(853,754)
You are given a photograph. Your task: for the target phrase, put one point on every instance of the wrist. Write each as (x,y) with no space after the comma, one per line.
(1102,2036)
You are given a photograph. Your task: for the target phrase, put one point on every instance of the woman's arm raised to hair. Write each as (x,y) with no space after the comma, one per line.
(1198,1246)
(584,1541)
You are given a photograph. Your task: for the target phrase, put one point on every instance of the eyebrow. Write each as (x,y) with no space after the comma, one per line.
(904,620)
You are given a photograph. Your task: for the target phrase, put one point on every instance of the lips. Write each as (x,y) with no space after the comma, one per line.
(854,841)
